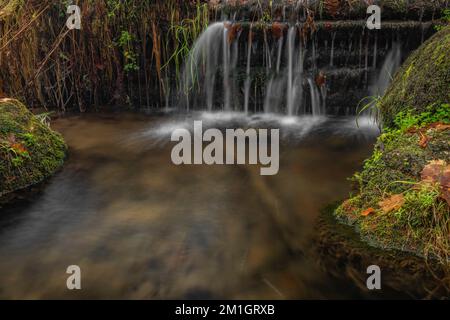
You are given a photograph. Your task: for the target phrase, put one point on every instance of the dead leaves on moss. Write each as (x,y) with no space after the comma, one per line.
(368,212)
(424,139)
(438,172)
(393,203)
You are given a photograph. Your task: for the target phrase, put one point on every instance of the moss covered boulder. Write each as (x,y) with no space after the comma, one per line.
(422,81)
(29,150)
(401,198)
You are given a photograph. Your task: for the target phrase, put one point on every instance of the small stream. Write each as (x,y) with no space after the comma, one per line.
(142,228)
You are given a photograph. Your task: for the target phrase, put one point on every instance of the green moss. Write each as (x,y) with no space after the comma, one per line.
(422,81)
(422,224)
(29,150)
(419,96)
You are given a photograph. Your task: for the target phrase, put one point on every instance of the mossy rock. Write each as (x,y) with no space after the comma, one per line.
(393,206)
(30,151)
(423,80)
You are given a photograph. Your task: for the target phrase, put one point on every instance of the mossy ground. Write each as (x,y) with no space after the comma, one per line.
(395,169)
(29,150)
(416,114)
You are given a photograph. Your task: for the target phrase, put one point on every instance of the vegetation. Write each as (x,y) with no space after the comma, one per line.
(29,150)
(128,52)
(423,80)
(121,55)
(402,195)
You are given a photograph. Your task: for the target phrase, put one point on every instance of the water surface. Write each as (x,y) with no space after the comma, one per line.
(142,228)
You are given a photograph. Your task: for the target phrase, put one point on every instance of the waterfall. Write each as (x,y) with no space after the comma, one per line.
(390,65)
(226,70)
(298,83)
(290,86)
(316,106)
(202,64)
(280,48)
(248,80)
(282,71)
(333,40)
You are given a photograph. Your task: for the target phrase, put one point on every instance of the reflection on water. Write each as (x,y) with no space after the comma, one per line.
(141,228)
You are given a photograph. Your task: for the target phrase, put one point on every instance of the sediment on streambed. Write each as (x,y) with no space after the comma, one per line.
(401,198)
(30,151)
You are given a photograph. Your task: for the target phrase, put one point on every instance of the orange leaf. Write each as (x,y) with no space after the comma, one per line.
(423,142)
(18,147)
(442,127)
(277,30)
(434,171)
(367,212)
(395,202)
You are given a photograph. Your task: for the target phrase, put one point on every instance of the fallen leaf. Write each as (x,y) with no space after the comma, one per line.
(439,126)
(367,212)
(438,172)
(19,148)
(347,206)
(434,171)
(423,142)
(392,203)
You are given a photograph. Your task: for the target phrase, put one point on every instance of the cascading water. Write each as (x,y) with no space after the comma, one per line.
(292,74)
(202,65)
(387,72)
(290,87)
(248,80)
(316,105)
(226,69)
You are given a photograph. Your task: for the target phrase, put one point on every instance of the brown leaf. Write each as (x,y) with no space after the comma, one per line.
(367,212)
(18,147)
(332,7)
(395,202)
(438,172)
(423,142)
(233,31)
(442,127)
(277,30)
(321,79)
(347,206)
(434,171)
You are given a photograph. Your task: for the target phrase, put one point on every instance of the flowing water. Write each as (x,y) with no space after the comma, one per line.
(141,227)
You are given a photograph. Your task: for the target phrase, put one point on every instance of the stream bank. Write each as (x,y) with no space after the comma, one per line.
(30,151)
(401,197)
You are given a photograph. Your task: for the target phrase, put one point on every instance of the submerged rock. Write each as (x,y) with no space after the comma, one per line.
(30,151)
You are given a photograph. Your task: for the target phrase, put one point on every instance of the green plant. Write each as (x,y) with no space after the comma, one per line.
(434,113)
(445,18)
(369,106)
(125,42)
(45,118)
